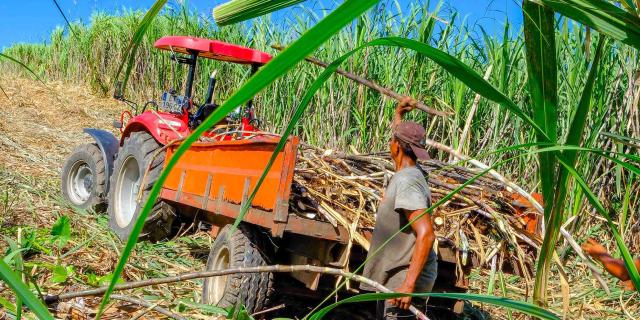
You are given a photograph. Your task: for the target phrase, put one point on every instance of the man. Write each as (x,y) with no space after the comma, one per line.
(615,267)
(407,262)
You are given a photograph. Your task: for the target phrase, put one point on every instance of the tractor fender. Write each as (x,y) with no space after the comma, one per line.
(164,127)
(108,145)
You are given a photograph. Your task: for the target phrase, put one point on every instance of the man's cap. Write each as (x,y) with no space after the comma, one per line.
(412,134)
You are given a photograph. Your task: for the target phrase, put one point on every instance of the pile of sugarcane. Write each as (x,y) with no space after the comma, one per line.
(345,189)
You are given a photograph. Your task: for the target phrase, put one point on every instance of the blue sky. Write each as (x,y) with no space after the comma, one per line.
(33,20)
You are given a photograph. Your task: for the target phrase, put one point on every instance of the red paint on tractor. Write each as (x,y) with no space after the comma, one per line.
(163,126)
(213,49)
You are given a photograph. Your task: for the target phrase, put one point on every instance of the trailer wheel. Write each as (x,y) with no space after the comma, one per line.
(83,178)
(139,151)
(242,248)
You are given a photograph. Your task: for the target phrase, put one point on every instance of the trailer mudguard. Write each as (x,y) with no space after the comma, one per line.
(108,144)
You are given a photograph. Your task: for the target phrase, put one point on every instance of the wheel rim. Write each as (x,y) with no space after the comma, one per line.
(218,284)
(127,187)
(80,183)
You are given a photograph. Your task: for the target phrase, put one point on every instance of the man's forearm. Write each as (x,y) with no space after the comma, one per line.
(397,118)
(615,267)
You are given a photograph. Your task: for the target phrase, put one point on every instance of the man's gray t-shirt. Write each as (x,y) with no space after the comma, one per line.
(407,190)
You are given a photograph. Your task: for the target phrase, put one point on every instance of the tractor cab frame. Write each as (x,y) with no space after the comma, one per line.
(174,117)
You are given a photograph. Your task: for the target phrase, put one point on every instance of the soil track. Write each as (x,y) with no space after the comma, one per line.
(42,124)
(39,126)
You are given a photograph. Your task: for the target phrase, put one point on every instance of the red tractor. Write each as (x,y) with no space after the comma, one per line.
(211,181)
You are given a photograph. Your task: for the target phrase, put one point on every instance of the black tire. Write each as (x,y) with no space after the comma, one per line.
(135,155)
(245,247)
(83,178)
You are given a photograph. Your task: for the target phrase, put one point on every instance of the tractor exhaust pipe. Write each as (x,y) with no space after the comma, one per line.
(212,85)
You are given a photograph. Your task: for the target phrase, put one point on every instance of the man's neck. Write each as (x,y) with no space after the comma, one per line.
(404,162)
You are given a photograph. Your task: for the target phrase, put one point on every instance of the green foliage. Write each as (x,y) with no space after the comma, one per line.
(523,307)
(240,10)
(61,231)
(602,16)
(61,273)
(136,40)
(22,291)
(446,68)
(540,43)
(97,281)
(184,304)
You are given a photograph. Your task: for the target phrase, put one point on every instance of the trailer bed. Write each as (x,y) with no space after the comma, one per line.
(217,177)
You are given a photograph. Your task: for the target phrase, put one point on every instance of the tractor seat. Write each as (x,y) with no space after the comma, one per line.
(213,49)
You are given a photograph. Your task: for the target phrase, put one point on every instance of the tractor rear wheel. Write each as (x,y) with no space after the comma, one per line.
(139,153)
(83,178)
(244,247)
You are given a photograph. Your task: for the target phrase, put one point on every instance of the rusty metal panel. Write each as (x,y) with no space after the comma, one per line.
(295,224)
(281,211)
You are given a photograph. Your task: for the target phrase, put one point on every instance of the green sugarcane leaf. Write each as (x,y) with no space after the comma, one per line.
(542,72)
(575,133)
(240,10)
(65,18)
(539,34)
(136,40)
(22,291)
(602,16)
(280,64)
(24,66)
(524,307)
(61,231)
(16,256)
(209,309)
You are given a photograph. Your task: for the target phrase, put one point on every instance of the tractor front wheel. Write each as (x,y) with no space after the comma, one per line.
(136,169)
(83,178)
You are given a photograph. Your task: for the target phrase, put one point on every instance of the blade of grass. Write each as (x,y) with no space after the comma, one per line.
(21,64)
(240,10)
(19,267)
(65,18)
(134,44)
(22,291)
(539,34)
(524,307)
(288,58)
(542,72)
(602,16)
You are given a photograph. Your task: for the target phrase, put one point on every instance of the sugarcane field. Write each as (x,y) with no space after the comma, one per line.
(320,159)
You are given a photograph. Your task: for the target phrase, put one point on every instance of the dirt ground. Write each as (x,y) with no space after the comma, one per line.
(39,127)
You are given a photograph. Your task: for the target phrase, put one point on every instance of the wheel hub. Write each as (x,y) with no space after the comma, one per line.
(219,283)
(80,183)
(126,189)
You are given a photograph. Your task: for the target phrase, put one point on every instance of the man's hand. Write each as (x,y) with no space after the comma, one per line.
(402,302)
(593,248)
(405,105)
